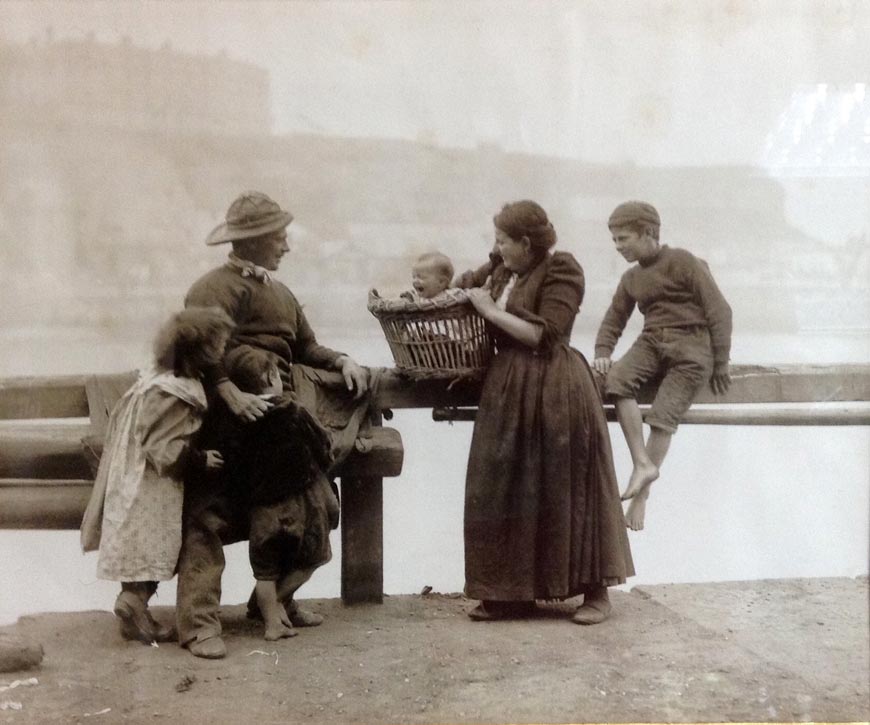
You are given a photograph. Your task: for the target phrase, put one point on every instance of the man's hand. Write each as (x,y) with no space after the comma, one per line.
(355,377)
(214,461)
(247,406)
(720,381)
(602,365)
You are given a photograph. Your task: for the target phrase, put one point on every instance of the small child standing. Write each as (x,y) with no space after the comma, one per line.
(686,341)
(289,501)
(134,514)
(430,276)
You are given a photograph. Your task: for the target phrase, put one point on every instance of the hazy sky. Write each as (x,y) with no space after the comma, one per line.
(681,82)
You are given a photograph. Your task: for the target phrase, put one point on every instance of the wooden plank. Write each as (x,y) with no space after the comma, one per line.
(43,504)
(779,416)
(58,501)
(793,384)
(362,540)
(102,392)
(362,534)
(750,384)
(398,391)
(65,396)
(384,459)
(59,396)
(39,449)
(798,415)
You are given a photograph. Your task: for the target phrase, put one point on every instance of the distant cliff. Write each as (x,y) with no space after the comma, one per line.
(106,196)
(130,87)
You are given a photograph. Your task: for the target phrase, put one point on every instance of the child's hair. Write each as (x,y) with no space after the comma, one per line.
(185,344)
(638,216)
(441,262)
(247,367)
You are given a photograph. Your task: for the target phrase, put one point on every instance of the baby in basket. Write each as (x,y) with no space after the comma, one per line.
(433,325)
(430,277)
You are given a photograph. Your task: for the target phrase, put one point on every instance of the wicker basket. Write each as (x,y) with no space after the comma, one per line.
(438,338)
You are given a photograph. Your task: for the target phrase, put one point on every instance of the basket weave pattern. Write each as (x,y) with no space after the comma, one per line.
(443,338)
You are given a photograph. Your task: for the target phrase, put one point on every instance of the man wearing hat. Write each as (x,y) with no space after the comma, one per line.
(261,306)
(685,342)
(268,317)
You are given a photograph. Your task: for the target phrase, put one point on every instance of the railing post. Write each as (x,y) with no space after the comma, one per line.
(362,537)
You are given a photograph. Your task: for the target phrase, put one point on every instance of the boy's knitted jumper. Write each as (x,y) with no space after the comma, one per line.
(673,289)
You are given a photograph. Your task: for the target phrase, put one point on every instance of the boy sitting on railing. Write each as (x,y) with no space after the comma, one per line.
(686,338)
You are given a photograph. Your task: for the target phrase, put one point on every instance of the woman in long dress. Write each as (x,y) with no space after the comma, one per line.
(543,518)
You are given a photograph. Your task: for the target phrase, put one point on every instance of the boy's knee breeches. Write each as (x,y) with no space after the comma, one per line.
(276,534)
(681,357)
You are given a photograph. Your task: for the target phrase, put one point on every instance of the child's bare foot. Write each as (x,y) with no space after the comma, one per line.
(278,624)
(278,630)
(634,515)
(642,475)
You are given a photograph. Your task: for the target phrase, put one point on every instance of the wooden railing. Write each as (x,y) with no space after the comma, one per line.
(46,477)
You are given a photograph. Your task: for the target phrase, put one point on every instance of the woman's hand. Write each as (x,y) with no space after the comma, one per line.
(482,301)
(214,461)
(247,406)
(355,377)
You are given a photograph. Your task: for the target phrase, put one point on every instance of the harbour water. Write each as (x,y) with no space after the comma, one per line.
(733,503)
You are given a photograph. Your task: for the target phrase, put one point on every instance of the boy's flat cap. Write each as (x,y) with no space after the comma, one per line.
(630,212)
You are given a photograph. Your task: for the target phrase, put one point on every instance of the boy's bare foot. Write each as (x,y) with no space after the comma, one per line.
(642,475)
(634,515)
(278,630)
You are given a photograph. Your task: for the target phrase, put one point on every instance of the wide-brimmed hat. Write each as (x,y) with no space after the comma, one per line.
(250,215)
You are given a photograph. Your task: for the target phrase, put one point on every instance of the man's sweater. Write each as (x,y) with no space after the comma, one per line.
(673,289)
(267,316)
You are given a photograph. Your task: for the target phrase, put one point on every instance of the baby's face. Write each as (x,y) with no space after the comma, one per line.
(428,281)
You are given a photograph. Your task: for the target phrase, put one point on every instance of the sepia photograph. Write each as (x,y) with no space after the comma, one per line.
(434,361)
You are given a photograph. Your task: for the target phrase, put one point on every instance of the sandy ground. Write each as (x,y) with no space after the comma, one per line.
(775,650)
